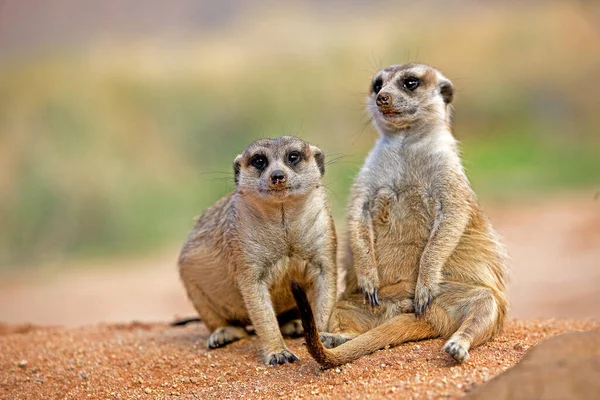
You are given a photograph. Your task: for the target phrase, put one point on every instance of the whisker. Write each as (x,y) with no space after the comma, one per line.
(336,159)
(364,126)
(216,172)
(331,190)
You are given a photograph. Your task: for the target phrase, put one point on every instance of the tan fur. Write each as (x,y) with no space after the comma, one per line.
(237,261)
(415,231)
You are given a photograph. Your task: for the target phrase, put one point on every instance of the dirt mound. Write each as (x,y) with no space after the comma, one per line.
(564,367)
(158,361)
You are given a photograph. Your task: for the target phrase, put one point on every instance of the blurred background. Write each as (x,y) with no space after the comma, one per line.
(119,122)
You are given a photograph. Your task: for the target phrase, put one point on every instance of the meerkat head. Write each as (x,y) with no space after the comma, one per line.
(278,169)
(402,96)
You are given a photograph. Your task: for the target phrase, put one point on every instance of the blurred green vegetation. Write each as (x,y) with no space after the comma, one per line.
(113,149)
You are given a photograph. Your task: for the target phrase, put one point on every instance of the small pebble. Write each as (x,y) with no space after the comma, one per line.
(83,374)
(22,363)
(148,390)
(337,370)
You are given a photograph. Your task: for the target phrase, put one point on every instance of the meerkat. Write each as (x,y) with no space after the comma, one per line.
(423,261)
(239,258)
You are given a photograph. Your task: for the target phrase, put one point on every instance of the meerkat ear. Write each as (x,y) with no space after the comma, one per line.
(237,164)
(447,91)
(319,158)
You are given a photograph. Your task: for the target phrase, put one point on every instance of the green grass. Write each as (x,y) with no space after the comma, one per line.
(514,164)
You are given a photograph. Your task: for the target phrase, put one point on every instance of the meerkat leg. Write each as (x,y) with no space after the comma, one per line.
(399,329)
(451,218)
(478,323)
(325,288)
(211,318)
(262,315)
(221,332)
(362,245)
(351,318)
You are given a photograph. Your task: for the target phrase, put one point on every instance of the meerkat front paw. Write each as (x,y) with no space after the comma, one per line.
(424,295)
(331,340)
(280,357)
(225,335)
(456,350)
(368,286)
(292,328)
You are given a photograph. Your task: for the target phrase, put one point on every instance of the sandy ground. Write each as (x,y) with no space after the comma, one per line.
(555,250)
(131,361)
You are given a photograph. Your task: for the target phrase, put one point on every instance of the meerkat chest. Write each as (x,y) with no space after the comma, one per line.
(401,200)
(399,178)
(291,246)
(306,232)
(291,234)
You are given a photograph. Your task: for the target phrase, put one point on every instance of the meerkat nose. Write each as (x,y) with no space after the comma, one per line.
(278,176)
(383,99)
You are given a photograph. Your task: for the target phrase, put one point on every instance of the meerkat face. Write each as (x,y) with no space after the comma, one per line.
(278,169)
(404,95)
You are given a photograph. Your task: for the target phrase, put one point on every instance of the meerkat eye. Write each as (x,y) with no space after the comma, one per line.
(377,85)
(259,162)
(294,157)
(410,83)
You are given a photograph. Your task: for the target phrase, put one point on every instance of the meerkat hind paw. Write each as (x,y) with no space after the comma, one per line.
(225,335)
(456,350)
(293,328)
(331,340)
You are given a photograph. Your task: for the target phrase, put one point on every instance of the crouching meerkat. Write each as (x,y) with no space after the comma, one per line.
(423,261)
(237,262)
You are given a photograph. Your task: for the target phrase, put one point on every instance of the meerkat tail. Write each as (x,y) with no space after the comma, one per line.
(311,334)
(185,321)
(400,329)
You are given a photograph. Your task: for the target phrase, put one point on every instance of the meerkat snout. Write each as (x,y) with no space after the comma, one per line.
(278,178)
(383,99)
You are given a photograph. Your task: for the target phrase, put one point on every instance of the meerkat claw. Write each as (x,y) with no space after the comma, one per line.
(284,357)
(375,298)
(370,297)
(421,307)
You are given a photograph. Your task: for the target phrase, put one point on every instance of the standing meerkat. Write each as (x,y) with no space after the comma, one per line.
(238,260)
(421,253)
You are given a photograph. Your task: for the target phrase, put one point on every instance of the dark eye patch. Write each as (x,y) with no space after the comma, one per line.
(293,157)
(259,161)
(377,85)
(410,83)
